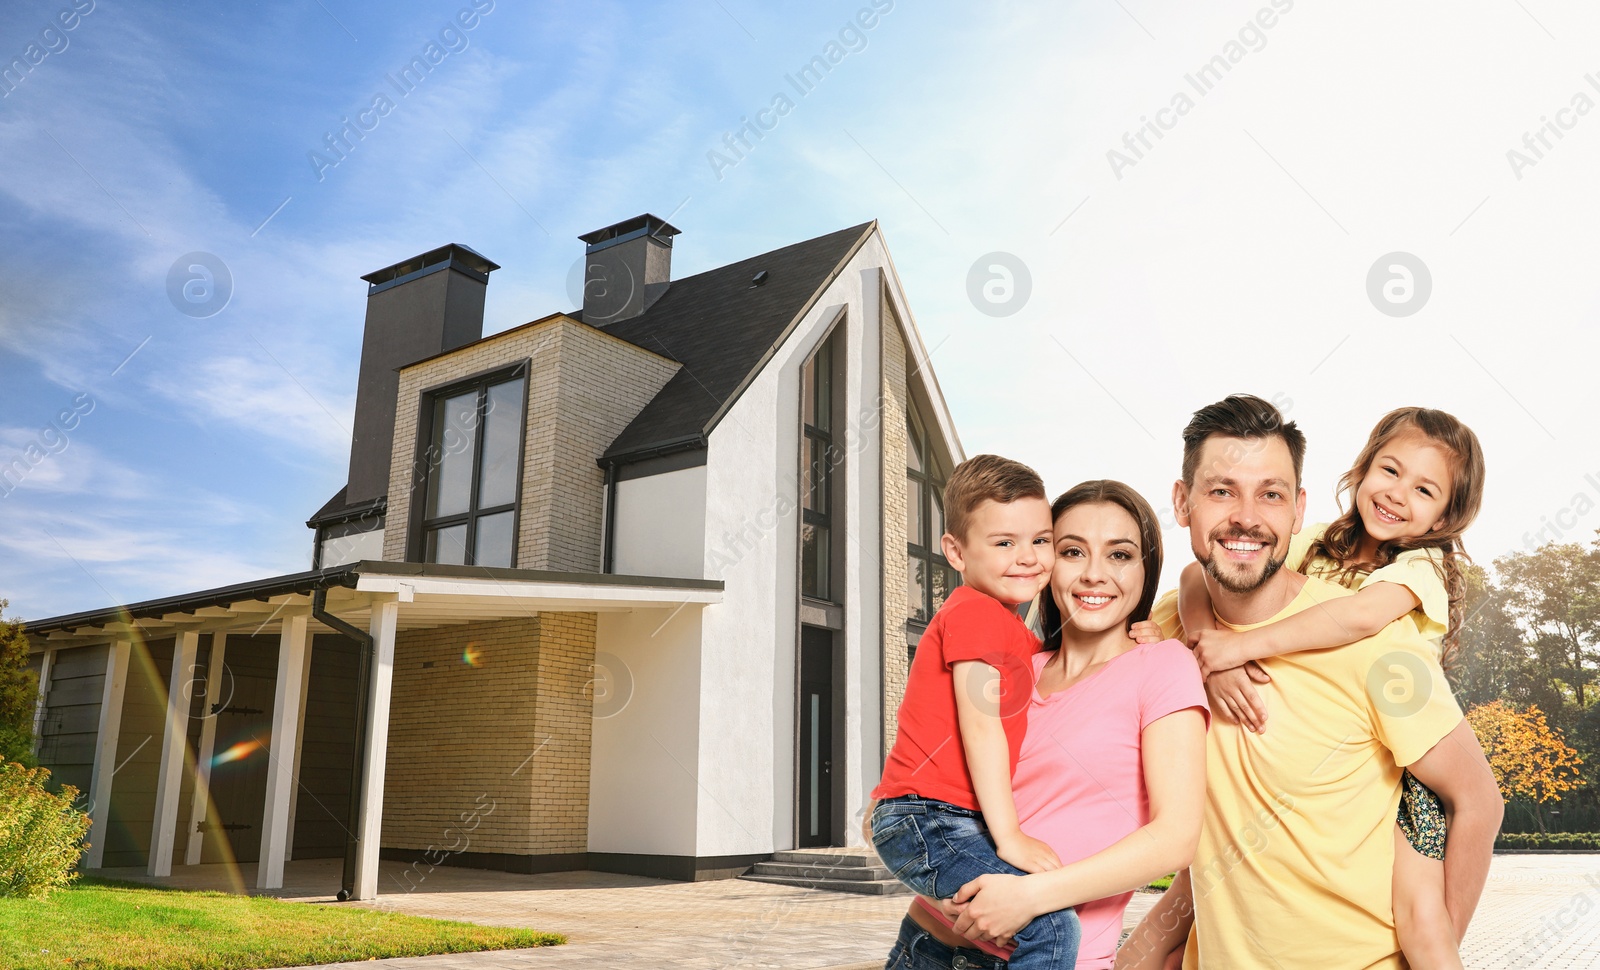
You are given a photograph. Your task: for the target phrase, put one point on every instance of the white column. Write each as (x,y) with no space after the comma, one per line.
(299,743)
(41,696)
(385,615)
(201,805)
(280,754)
(174,749)
(105,754)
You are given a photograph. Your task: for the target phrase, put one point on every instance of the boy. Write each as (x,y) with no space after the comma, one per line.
(946,788)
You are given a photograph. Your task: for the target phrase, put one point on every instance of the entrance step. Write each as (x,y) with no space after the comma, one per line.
(845,870)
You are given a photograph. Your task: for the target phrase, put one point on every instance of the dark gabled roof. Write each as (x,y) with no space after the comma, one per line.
(722,329)
(339,509)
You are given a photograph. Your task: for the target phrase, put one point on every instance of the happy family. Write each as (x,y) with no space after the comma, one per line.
(1278,731)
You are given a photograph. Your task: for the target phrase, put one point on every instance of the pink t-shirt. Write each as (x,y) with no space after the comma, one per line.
(1079,784)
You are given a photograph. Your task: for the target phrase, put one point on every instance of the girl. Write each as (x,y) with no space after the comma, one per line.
(1414,489)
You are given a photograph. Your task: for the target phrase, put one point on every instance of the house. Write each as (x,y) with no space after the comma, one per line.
(630,589)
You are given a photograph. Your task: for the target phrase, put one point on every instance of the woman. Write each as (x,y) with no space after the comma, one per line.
(1111,773)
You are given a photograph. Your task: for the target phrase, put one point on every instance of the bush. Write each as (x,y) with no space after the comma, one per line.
(41,835)
(1548,840)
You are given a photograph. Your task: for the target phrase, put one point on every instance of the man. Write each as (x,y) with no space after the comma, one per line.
(1296,853)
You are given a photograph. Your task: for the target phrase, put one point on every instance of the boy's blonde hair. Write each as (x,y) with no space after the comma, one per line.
(986,477)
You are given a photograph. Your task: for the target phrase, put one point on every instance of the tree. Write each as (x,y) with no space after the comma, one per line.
(19,691)
(1554,593)
(1529,758)
(1496,660)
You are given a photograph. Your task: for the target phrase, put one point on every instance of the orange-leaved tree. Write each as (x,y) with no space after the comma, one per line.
(1528,756)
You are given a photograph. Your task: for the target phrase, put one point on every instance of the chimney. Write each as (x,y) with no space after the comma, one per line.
(423,306)
(627,267)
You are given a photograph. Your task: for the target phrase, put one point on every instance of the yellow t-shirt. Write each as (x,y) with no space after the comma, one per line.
(1415,569)
(1296,854)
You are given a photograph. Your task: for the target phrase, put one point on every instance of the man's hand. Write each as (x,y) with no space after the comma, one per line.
(994,907)
(1026,853)
(1145,631)
(1233,695)
(1220,649)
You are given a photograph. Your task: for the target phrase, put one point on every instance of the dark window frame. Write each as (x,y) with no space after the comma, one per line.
(833,458)
(924,549)
(423,467)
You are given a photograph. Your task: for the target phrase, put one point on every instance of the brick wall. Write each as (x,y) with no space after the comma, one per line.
(491,714)
(584,386)
(895,560)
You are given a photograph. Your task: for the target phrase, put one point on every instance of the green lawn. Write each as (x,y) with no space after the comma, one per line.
(107,925)
(1164,883)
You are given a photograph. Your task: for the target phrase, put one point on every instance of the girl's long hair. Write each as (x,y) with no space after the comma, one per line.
(1346,533)
(1122,496)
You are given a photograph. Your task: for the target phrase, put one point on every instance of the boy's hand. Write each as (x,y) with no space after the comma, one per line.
(1219,649)
(1145,631)
(866,820)
(1233,694)
(1027,853)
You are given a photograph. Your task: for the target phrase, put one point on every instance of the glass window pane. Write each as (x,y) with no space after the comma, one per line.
(455,427)
(819,476)
(914,513)
(913,445)
(808,393)
(936,520)
(945,579)
(824,405)
(448,545)
(492,545)
(502,436)
(916,591)
(814,561)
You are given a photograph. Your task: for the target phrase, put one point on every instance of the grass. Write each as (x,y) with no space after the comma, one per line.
(1164,883)
(105,925)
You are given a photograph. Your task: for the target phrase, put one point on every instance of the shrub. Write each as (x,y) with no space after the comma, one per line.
(19,689)
(1548,840)
(41,834)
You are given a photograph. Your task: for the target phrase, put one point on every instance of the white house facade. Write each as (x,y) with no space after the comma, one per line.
(631,588)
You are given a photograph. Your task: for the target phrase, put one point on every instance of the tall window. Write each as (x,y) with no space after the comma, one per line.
(821,458)
(929,578)
(475,452)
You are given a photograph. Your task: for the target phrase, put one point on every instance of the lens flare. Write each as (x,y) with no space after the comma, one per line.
(238,752)
(472,656)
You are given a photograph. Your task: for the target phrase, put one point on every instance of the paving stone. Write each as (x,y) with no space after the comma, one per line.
(1539,912)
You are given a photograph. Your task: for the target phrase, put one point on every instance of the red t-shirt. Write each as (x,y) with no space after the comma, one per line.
(928,758)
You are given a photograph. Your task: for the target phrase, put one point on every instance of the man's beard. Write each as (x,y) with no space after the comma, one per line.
(1229,580)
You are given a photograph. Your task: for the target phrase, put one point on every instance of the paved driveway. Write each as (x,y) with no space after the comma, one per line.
(1539,911)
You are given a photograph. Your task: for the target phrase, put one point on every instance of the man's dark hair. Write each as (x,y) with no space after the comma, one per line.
(1240,416)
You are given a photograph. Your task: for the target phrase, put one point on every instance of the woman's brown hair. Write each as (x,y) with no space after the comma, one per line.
(1106,491)
(1345,534)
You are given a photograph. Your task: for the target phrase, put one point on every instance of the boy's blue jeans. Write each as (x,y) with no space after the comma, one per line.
(936,848)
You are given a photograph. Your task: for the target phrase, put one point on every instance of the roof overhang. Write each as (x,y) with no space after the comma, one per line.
(428,596)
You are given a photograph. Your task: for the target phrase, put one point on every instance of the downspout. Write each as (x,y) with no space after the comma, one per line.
(358,760)
(608,553)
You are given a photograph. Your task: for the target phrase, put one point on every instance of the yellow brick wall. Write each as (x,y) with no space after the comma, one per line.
(895,560)
(494,714)
(584,386)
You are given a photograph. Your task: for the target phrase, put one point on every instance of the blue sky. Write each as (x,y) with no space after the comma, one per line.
(1232,254)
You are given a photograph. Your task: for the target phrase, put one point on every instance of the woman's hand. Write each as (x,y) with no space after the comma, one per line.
(1026,853)
(1145,631)
(1233,695)
(1219,649)
(994,907)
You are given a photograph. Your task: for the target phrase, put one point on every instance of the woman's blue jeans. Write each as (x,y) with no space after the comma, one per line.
(936,848)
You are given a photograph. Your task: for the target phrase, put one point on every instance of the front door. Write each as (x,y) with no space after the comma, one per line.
(815,810)
(239,762)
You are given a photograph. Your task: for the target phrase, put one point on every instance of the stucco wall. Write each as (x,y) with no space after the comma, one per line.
(661,525)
